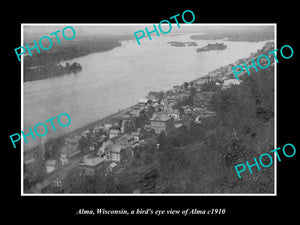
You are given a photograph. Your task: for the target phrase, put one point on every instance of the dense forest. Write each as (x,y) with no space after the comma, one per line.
(201,158)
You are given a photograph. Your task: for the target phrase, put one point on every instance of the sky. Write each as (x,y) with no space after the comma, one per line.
(35,31)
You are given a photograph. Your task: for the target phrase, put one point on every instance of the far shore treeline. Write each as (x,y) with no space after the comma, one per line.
(250,34)
(46,64)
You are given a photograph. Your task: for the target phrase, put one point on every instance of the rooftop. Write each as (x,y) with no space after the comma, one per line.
(117,148)
(144,100)
(161,116)
(51,162)
(68,149)
(88,161)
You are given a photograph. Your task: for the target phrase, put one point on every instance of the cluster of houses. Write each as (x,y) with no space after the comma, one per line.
(224,75)
(107,148)
(110,144)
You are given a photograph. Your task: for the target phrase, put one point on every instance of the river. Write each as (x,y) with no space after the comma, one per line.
(116,79)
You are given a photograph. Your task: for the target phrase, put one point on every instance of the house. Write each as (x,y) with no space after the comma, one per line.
(137,191)
(29,157)
(50,165)
(107,126)
(116,151)
(67,152)
(165,104)
(98,129)
(177,125)
(202,80)
(172,99)
(155,103)
(136,112)
(111,167)
(101,138)
(136,136)
(57,182)
(125,140)
(125,116)
(104,146)
(154,95)
(114,133)
(130,139)
(200,110)
(203,98)
(229,83)
(144,102)
(187,109)
(39,187)
(85,133)
(161,122)
(123,125)
(90,165)
(72,141)
(183,96)
(173,113)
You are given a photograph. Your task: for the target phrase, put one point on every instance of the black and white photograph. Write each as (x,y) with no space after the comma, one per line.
(163,116)
(138,111)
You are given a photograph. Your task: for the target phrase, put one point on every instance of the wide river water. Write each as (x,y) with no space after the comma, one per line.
(118,78)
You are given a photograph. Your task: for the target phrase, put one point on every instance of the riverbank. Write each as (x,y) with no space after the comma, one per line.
(51,70)
(218,74)
(78,131)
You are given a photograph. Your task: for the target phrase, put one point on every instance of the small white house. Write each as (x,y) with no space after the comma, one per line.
(114,133)
(111,167)
(50,165)
(229,83)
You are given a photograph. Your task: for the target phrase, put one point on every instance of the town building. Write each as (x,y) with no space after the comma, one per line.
(104,146)
(144,102)
(136,135)
(202,99)
(51,165)
(72,141)
(90,165)
(116,152)
(85,133)
(111,167)
(173,113)
(229,83)
(107,126)
(40,187)
(161,121)
(114,133)
(98,129)
(154,95)
(29,157)
(67,152)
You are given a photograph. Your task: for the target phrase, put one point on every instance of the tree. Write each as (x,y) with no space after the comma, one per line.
(162,139)
(185,85)
(77,183)
(193,91)
(148,160)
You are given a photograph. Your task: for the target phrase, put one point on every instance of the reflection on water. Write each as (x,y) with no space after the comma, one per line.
(116,79)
